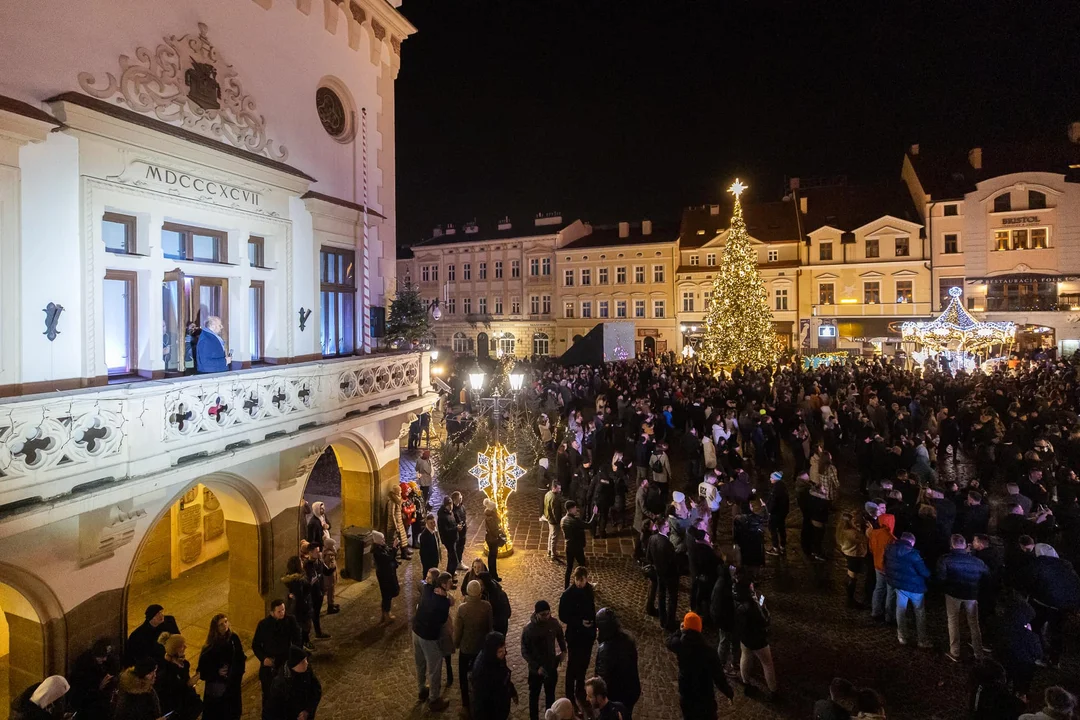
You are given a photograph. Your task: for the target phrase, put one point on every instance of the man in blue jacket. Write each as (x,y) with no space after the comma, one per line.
(906,572)
(962,575)
(210,354)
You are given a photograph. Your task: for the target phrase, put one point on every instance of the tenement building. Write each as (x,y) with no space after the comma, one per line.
(495,286)
(1004,225)
(864,267)
(619,273)
(773,228)
(196,226)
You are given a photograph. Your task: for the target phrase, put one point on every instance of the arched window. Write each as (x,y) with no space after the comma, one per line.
(461,343)
(507,343)
(1003,202)
(1036,200)
(541,344)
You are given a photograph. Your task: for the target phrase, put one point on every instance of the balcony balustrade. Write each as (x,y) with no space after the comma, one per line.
(53,443)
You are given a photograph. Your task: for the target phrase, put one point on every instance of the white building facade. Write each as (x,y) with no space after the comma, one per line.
(228,158)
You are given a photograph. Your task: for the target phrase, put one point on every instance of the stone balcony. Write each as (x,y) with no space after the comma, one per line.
(56,443)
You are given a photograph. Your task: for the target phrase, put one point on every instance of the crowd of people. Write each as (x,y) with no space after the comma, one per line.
(959,487)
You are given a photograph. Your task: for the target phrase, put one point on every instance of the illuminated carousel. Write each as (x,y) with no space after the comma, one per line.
(958,339)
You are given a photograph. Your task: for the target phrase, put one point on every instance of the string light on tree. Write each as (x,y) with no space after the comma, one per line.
(738,321)
(497,474)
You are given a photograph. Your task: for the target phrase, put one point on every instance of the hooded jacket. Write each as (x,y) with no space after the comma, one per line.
(538,644)
(298,603)
(699,671)
(905,569)
(880,538)
(492,689)
(136,698)
(617,659)
(23,708)
(394,520)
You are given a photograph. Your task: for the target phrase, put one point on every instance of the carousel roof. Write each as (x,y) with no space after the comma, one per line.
(956,325)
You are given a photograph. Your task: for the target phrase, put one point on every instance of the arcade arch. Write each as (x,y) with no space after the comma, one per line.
(33,637)
(207,552)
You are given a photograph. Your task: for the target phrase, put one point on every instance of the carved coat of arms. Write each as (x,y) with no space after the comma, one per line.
(185,81)
(203,88)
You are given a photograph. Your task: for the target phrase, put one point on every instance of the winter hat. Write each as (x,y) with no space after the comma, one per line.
(1045,550)
(489,504)
(544,463)
(49,691)
(172,644)
(777,476)
(378,538)
(153,610)
(296,656)
(474,588)
(678,497)
(562,709)
(144,666)
(908,538)
(541,606)
(691,621)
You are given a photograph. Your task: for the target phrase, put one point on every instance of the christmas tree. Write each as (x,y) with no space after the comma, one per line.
(738,321)
(409,320)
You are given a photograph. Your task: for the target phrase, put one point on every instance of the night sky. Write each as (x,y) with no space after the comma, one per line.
(615,110)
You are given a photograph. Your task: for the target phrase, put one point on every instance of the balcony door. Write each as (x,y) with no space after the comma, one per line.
(186,303)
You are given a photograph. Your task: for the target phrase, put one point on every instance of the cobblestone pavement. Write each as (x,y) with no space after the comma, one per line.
(367,670)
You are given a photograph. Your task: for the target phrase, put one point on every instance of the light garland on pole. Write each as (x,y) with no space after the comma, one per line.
(497,474)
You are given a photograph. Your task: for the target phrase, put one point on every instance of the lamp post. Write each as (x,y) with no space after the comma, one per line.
(496,470)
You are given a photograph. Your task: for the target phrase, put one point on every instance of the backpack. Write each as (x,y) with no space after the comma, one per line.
(658,465)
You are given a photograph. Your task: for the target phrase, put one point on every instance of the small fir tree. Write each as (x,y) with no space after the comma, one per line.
(738,321)
(409,320)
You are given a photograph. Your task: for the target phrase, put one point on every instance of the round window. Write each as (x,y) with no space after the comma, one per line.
(332,113)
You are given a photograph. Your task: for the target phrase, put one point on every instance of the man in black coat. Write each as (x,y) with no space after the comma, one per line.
(703,562)
(573,529)
(699,671)
(577,611)
(778,506)
(448,533)
(617,660)
(274,636)
(462,524)
(664,579)
(143,641)
(296,691)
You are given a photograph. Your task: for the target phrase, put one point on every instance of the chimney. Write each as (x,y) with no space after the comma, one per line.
(504,224)
(624,229)
(914,149)
(975,158)
(793,183)
(714,209)
(802,205)
(450,229)
(437,232)
(471,228)
(1074,132)
(646,227)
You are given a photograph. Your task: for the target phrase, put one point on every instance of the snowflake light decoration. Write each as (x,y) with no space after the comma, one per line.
(497,474)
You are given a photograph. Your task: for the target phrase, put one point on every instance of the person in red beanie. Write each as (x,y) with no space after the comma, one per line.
(699,671)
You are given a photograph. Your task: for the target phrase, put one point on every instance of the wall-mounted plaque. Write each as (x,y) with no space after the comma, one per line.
(214,525)
(190,549)
(191,519)
(210,501)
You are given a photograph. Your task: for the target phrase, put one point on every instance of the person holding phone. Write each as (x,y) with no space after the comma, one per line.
(752,629)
